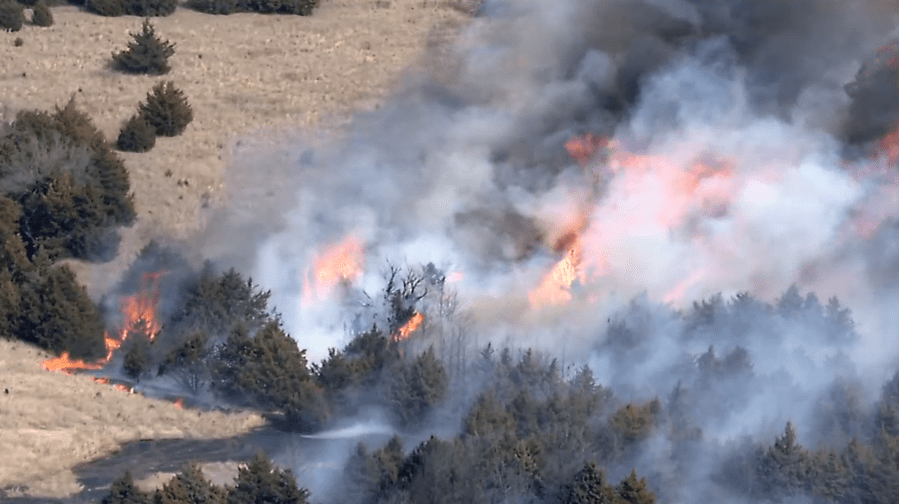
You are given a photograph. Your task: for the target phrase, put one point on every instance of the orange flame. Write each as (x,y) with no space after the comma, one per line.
(455,276)
(140,313)
(583,148)
(409,327)
(554,289)
(123,388)
(66,365)
(340,263)
(888,146)
(179,403)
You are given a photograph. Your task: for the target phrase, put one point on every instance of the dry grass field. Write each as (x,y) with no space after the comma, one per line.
(243,74)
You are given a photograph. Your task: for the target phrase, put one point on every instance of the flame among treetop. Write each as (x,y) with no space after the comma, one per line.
(342,262)
(409,327)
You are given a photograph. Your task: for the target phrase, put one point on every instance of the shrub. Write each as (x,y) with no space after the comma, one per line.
(259,481)
(58,314)
(218,6)
(136,135)
(124,491)
(216,304)
(137,358)
(110,8)
(412,389)
(167,110)
(12,15)
(72,188)
(146,8)
(18,42)
(188,363)
(146,54)
(190,487)
(42,15)
(300,7)
(269,371)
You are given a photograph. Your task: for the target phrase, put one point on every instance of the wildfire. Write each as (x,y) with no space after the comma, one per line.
(455,276)
(554,289)
(139,314)
(123,388)
(888,146)
(179,403)
(409,327)
(340,263)
(583,148)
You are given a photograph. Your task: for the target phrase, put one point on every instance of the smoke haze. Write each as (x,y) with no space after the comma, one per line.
(728,168)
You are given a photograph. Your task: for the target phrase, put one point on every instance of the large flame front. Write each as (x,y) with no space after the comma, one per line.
(139,313)
(338,264)
(680,193)
(554,289)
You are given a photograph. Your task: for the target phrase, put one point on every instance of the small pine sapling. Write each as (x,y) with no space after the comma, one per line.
(137,135)
(146,54)
(42,15)
(12,15)
(167,110)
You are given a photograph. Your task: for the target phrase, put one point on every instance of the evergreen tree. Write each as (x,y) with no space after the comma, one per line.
(190,487)
(259,482)
(124,491)
(589,487)
(146,54)
(634,491)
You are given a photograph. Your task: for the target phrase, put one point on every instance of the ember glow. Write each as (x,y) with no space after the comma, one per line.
(340,263)
(139,313)
(409,327)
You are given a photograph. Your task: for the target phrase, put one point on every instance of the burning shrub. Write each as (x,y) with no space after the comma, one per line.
(167,110)
(136,135)
(12,15)
(42,15)
(146,54)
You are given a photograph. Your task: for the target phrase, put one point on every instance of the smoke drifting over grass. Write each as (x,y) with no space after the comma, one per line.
(728,169)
